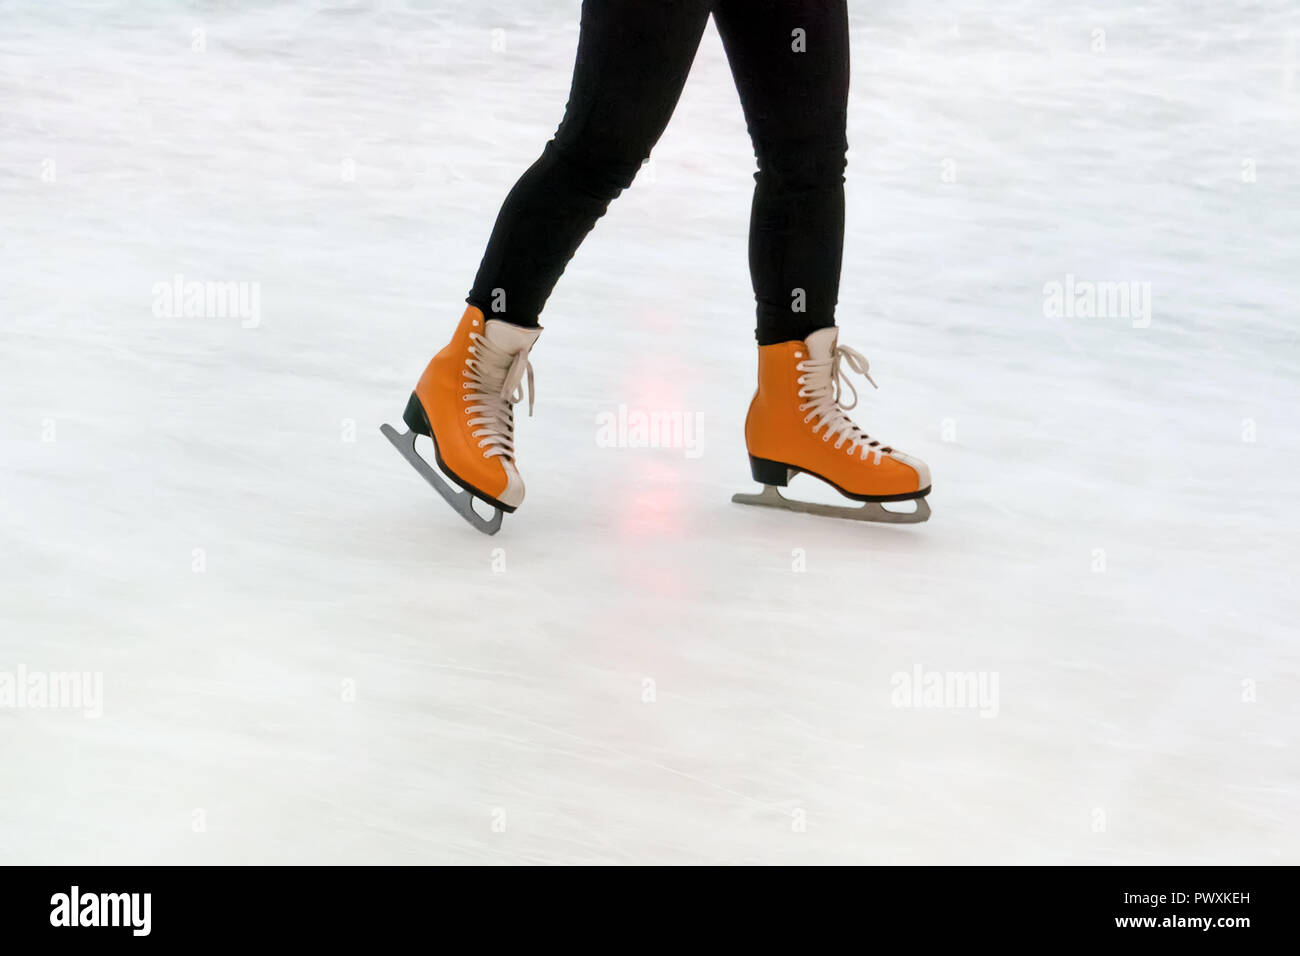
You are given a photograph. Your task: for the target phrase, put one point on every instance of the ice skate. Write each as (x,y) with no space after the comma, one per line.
(796,423)
(464,404)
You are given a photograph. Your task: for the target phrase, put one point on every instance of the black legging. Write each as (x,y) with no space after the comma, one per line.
(790,60)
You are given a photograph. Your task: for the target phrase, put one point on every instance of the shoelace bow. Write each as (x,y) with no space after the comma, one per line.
(495,379)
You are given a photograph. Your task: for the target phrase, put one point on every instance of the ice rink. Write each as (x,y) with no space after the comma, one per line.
(305,656)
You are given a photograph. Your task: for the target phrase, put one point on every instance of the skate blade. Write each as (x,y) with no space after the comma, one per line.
(770,497)
(462,502)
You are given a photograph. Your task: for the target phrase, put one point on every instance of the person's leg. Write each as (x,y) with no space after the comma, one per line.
(790,60)
(632,62)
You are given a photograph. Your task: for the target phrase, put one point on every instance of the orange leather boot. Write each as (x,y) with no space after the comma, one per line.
(796,423)
(464,403)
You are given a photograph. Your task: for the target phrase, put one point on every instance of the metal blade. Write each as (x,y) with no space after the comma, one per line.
(461,501)
(770,497)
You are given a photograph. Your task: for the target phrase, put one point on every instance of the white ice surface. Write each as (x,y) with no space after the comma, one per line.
(1146,713)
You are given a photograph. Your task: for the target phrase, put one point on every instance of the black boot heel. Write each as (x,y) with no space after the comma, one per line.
(415,418)
(767,472)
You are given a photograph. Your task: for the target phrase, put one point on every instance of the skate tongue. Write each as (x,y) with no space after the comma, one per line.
(510,338)
(821,344)
(515,341)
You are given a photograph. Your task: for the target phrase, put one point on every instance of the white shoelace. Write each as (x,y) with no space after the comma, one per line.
(821,383)
(494,382)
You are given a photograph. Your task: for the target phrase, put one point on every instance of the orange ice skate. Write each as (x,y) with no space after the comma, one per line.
(796,423)
(464,403)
